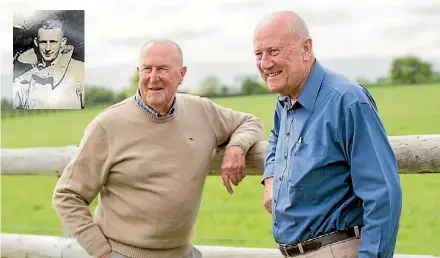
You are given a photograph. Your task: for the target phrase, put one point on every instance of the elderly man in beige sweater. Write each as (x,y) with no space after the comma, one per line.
(147,158)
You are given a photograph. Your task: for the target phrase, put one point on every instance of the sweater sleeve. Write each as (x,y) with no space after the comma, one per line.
(233,127)
(80,183)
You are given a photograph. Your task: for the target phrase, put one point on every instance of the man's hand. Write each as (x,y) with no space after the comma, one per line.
(267,201)
(233,166)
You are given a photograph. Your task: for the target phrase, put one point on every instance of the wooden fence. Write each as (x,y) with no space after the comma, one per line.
(415,154)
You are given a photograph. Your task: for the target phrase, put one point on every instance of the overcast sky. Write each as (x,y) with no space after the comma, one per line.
(357,38)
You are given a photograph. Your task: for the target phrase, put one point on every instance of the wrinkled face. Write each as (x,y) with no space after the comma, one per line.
(49,42)
(160,74)
(280,57)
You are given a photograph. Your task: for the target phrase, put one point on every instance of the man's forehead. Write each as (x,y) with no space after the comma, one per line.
(159,59)
(273,28)
(269,40)
(269,35)
(56,32)
(160,53)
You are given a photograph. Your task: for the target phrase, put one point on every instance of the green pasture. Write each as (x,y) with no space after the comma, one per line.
(238,219)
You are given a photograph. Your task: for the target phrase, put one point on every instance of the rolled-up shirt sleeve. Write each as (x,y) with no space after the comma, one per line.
(375,178)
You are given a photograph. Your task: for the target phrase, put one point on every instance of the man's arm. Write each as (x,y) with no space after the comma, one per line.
(79,184)
(240,131)
(234,127)
(375,178)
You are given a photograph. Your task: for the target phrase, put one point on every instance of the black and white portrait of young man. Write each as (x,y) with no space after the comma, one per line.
(48,60)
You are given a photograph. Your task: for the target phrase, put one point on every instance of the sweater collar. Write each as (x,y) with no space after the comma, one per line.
(149,109)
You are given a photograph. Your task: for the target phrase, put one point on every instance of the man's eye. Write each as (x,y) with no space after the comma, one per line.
(274,52)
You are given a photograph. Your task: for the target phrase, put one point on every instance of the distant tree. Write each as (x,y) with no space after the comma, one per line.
(211,86)
(234,90)
(134,82)
(251,85)
(120,96)
(6,104)
(96,95)
(225,90)
(411,70)
(383,80)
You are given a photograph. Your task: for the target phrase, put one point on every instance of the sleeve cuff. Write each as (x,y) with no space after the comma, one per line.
(268,172)
(244,143)
(98,246)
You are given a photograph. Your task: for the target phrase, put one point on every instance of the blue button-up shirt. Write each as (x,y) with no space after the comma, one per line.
(333,166)
(141,103)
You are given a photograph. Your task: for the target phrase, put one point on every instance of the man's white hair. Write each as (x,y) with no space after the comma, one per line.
(153,42)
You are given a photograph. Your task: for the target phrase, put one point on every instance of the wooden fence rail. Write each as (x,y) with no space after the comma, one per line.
(415,154)
(21,246)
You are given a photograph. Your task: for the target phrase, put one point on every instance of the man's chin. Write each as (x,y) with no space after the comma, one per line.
(275,88)
(48,60)
(155,101)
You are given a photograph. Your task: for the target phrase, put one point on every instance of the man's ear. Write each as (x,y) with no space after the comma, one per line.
(182,73)
(307,48)
(36,41)
(63,42)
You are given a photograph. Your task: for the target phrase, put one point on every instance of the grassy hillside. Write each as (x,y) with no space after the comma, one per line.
(237,220)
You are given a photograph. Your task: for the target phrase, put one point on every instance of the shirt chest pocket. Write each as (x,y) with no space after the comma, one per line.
(311,149)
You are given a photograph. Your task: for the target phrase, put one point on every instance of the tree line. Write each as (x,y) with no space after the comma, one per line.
(408,70)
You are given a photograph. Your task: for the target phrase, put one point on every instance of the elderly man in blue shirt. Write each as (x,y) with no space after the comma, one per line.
(331,178)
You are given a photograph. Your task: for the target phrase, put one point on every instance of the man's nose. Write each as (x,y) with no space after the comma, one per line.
(266,62)
(47,48)
(154,75)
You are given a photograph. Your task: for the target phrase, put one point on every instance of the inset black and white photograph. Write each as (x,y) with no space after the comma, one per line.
(48,54)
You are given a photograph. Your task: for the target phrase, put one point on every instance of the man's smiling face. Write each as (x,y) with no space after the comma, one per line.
(279,56)
(49,42)
(160,74)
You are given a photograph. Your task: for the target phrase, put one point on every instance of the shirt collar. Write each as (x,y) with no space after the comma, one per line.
(141,103)
(309,93)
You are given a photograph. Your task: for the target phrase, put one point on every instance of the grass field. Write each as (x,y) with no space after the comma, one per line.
(237,220)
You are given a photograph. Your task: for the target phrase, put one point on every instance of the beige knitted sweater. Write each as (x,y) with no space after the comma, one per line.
(149,174)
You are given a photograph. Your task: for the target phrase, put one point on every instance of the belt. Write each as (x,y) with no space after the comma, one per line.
(320,241)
